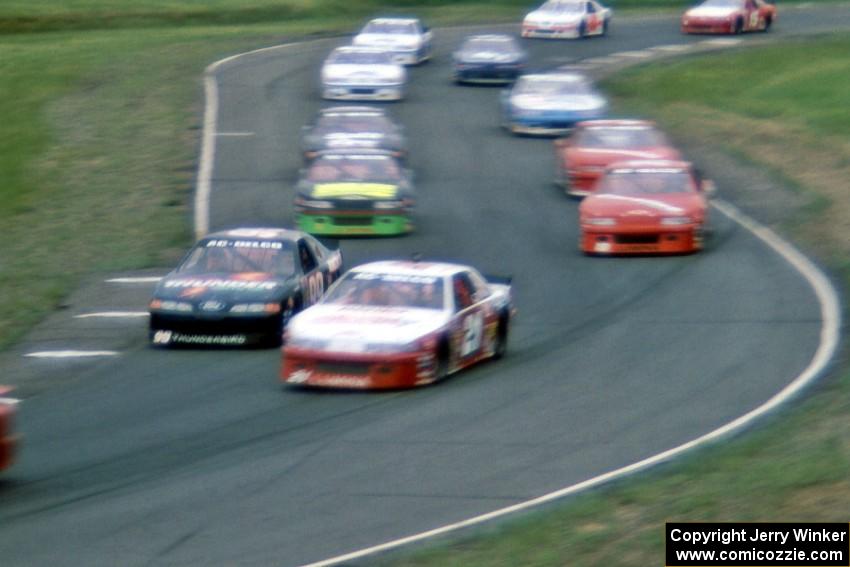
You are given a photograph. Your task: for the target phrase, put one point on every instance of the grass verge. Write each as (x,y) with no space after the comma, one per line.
(782,108)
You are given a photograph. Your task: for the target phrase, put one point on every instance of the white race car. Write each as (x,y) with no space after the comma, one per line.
(567,19)
(407,39)
(362,73)
(398,324)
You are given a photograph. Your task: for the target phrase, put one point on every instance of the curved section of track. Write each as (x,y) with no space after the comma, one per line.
(198,457)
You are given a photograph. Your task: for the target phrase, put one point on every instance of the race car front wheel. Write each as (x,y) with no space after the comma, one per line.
(501,346)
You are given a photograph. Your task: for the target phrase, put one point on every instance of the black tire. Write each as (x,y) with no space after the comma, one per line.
(582,31)
(443,356)
(605,28)
(739,26)
(768,21)
(501,347)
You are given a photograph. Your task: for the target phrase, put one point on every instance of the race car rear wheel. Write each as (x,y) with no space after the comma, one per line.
(605,27)
(443,357)
(739,26)
(501,346)
(582,31)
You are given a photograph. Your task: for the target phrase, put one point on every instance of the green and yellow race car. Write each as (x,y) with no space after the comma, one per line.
(355,192)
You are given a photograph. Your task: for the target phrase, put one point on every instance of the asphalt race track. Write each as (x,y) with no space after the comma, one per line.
(199,457)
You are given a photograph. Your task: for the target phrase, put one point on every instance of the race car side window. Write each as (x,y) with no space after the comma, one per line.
(480,289)
(308,262)
(462,291)
(317,250)
(591,8)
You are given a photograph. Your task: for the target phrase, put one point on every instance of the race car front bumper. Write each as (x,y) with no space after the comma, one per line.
(355,223)
(357,370)
(486,73)
(666,240)
(363,92)
(168,329)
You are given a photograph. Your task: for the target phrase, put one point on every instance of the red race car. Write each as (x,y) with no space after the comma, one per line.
(646,207)
(397,324)
(595,144)
(729,16)
(8,439)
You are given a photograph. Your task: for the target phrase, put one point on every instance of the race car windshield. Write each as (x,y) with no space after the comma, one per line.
(561,7)
(552,87)
(494,45)
(387,290)
(721,4)
(658,182)
(360,58)
(391,28)
(360,168)
(619,138)
(240,256)
(352,123)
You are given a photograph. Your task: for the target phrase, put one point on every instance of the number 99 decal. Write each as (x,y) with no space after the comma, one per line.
(315,287)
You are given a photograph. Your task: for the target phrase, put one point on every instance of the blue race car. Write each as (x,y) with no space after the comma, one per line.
(495,58)
(550,103)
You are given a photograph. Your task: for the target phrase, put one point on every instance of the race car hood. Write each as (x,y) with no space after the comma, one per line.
(474,56)
(362,328)
(352,190)
(607,205)
(388,40)
(347,71)
(711,12)
(579,157)
(560,102)
(546,17)
(228,288)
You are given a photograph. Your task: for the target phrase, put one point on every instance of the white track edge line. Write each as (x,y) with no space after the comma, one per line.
(829,342)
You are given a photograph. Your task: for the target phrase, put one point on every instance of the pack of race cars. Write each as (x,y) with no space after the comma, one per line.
(396,324)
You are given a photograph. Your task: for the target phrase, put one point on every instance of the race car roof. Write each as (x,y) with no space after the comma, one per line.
(394,20)
(258,234)
(358,49)
(616,123)
(411,268)
(649,165)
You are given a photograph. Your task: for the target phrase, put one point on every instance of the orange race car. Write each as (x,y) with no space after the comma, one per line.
(729,16)
(595,144)
(646,207)
(8,438)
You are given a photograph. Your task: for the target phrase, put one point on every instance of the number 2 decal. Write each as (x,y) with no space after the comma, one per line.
(473,328)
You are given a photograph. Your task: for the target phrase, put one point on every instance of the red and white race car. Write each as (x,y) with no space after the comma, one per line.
(646,207)
(593,145)
(398,324)
(729,16)
(567,19)
(8,438)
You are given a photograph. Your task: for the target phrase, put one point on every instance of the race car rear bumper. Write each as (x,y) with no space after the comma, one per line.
(357,370)
(353,224)
(607,241)
(551,33)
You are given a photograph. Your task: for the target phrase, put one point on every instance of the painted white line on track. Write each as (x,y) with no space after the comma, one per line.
(112,315)
(9,401)
(70,353)
(203,187)
(634,54)
(673,48)
(150,279)
(602,60)
(830,334)
(235,134)
(721,41)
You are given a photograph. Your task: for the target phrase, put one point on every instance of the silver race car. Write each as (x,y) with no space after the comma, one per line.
(353,128)
(409,41)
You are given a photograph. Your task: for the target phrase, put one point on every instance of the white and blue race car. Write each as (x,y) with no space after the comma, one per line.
(558,19)
(409,41)
(550,103)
